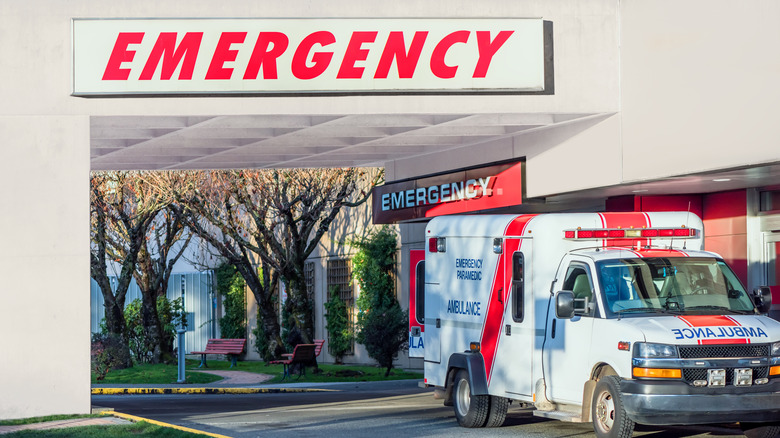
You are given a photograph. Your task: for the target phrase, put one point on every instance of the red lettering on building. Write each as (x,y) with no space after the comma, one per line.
(487,49)
(355,52)
(438,66)
(120,54)
(406,62)
(262,55)
(310,59)
(166,46)
(320,60)
(223,54)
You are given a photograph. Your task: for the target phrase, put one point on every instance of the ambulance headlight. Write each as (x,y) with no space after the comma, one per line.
(648,350)
(776,349)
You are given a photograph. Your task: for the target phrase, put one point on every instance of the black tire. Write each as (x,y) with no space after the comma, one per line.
(470,410)
(497,412)
(609,417)
(759,430)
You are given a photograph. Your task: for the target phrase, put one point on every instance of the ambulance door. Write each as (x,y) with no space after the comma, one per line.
(417,303)
(568,341)
(517,345)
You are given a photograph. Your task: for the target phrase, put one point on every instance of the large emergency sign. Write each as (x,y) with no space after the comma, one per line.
(249,56)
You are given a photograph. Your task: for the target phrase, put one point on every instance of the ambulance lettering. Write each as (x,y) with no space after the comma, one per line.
(710,329)
(472,271)
(459,307)
(416,342)
(719,332)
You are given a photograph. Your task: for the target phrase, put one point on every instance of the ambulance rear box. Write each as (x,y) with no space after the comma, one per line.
(609,318)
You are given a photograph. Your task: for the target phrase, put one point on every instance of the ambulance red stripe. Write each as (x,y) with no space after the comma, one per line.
(714,321)
(496,307)
(625,220)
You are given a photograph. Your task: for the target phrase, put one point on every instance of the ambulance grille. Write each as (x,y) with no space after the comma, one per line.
(692,374)
(721,351)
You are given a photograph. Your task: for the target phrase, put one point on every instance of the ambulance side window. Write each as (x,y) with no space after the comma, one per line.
(578,280)
(419,292)
(518,279)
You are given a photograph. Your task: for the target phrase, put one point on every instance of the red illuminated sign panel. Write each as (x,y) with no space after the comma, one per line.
(466,191)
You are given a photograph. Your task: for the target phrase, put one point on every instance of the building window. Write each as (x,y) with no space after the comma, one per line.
(340,276)
(308,279)
(769,200)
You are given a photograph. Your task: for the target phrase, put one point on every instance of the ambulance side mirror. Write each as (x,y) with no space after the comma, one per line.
(564,304)
(762,298)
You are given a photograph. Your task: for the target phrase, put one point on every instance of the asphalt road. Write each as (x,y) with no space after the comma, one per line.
(379,409)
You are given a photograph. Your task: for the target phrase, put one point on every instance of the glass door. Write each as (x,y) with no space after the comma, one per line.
(772,270)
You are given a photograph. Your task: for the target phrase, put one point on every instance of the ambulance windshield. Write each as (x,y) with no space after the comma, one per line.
(677,285)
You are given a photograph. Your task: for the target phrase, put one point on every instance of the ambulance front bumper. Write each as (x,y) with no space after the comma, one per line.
(667,403)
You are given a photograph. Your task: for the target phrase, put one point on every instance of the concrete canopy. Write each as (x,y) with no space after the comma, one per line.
(301,140)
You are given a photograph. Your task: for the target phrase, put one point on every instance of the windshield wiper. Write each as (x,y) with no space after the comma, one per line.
(640,309)
(711,307)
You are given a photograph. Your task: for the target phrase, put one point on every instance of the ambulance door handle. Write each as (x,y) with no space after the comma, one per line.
(553,328)
(501,295)
(438,323)
(508,330)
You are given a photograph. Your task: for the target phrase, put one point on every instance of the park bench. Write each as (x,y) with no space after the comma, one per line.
(229,347)
(317,348)
(302,355)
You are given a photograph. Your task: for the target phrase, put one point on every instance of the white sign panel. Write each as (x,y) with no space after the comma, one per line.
(260,56)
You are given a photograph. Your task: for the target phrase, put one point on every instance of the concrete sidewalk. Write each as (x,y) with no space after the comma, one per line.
(233,382)
(59,424)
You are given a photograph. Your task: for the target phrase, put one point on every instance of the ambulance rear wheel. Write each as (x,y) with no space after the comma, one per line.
(609,417)
(470,410)
(497,412)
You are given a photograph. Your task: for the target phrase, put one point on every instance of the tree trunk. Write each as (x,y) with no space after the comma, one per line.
(115,320)
(152,326)
(299,308)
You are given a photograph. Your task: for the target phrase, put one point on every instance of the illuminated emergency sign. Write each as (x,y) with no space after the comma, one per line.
(180,56)
(448,192)
(471,190)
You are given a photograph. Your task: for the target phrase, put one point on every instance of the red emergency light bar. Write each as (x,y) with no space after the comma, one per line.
(628,233)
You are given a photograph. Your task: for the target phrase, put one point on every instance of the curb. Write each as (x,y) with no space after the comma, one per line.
(168,425)
(144,391)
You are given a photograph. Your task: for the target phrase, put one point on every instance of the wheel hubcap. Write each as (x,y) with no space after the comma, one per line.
(463,397)
(605,411)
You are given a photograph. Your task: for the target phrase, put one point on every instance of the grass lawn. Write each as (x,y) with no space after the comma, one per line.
(167,374)
(137,429)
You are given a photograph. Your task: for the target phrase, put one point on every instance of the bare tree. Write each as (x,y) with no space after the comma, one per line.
(301,204)
(274,219)
(122,211)
(209,203)
(165,243)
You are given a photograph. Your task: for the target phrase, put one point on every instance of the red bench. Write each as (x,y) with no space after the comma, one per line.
(317,348)
(229,347)
(303,354)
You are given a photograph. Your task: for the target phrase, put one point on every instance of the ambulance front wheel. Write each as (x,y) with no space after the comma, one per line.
(756,430)
(609,417)
(470,410)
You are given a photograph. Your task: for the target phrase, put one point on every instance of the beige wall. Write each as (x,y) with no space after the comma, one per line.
(699,88)
(44,264)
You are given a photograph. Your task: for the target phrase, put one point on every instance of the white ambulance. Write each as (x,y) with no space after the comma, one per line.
(610,318)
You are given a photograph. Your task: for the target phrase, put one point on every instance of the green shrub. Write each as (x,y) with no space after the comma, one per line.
(340,333)
(232,288)
(171,314)
(106,354)
(381,324)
